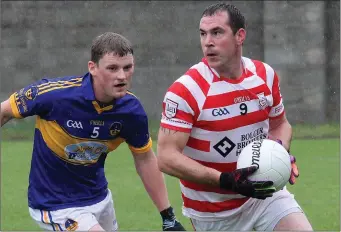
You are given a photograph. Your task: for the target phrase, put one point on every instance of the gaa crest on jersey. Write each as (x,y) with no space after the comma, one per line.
(263,101)
(171,108)
(115,128)
(31,93)
(71,225)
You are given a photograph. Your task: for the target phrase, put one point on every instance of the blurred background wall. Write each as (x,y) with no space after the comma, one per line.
(299,39)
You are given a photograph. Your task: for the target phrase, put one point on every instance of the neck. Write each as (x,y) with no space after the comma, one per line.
(232,70)
(99,93)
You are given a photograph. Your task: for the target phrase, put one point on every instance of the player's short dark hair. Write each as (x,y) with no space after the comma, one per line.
(110,42)
(236,18)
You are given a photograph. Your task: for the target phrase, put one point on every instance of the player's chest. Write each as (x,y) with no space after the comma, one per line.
(90,126)
(238,101)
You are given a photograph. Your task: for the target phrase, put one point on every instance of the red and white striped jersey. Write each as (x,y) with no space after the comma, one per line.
(222,116)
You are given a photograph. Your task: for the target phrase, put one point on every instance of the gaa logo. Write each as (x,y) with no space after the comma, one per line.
(220,112)
(74,124)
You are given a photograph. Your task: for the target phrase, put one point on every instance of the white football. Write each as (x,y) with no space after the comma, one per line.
(271,158)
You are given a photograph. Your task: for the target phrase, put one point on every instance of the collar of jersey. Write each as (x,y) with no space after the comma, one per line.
(88,90)
(246,73)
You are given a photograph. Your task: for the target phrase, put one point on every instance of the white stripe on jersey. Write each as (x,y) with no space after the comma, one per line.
(204,71)
(176,122)
(207,196)
(249,64)
(270,74)
(235,135)
(194,88)
(222,87)
(233,110)
(182,103)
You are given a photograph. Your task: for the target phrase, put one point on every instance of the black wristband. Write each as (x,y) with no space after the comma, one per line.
(226,181)
(167,213)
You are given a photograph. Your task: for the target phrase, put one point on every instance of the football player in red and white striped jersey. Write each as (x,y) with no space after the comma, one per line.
(210,114)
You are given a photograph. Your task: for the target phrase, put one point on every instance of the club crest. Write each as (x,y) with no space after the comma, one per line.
(171,108)
(115,128)
(263,101)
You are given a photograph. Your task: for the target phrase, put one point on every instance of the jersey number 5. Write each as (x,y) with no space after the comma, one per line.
(243,108)
(95,132)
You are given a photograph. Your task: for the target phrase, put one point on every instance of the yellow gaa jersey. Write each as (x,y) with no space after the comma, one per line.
(73,136)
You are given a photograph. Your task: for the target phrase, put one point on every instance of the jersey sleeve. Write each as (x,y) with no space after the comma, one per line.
(179,106)
(277,108)
(137,134)
(34,99)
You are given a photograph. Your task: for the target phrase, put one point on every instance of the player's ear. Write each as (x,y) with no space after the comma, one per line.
(240,36)
(92,67)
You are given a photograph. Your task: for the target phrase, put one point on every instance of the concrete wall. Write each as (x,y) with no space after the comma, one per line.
(47,38)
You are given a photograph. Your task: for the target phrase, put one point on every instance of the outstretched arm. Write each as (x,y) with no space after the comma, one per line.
(6,113)
(152,178)
(281,129)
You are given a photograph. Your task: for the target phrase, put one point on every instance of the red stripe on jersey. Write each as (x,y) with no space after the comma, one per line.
(213,207)
(198,144)
(235,122)
(275,91)
(200,80)
(180,90)
(186,130)
(222,167)
(181,115)
(234,97)
(204,188)
(260,69)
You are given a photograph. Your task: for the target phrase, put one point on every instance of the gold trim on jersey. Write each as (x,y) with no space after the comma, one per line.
(99,109)
(14,102)
(142,149)
(130,93)
(49,86)
(58,140)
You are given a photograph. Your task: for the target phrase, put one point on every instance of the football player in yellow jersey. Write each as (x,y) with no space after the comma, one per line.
(79,120)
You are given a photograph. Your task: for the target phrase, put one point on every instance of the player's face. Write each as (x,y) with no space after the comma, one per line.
(218,42)
(113,74)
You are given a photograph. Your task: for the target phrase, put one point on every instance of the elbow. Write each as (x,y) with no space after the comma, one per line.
(161,163)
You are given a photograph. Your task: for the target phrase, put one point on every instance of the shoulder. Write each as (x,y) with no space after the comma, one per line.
(196,80)
(60,87)
(258,67)
(131,104)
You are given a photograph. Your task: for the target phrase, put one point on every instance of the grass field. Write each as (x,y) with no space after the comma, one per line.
(317,189)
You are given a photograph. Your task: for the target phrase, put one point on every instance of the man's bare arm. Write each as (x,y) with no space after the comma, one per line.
(152,178)
(6,113)
(171,160)
(281,129)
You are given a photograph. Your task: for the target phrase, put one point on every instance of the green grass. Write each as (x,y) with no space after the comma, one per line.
(317,189)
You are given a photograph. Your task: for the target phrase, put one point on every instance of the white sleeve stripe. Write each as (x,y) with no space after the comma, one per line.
(277,110)
(194,88)
(176,122)
(270,75)
(182,103)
